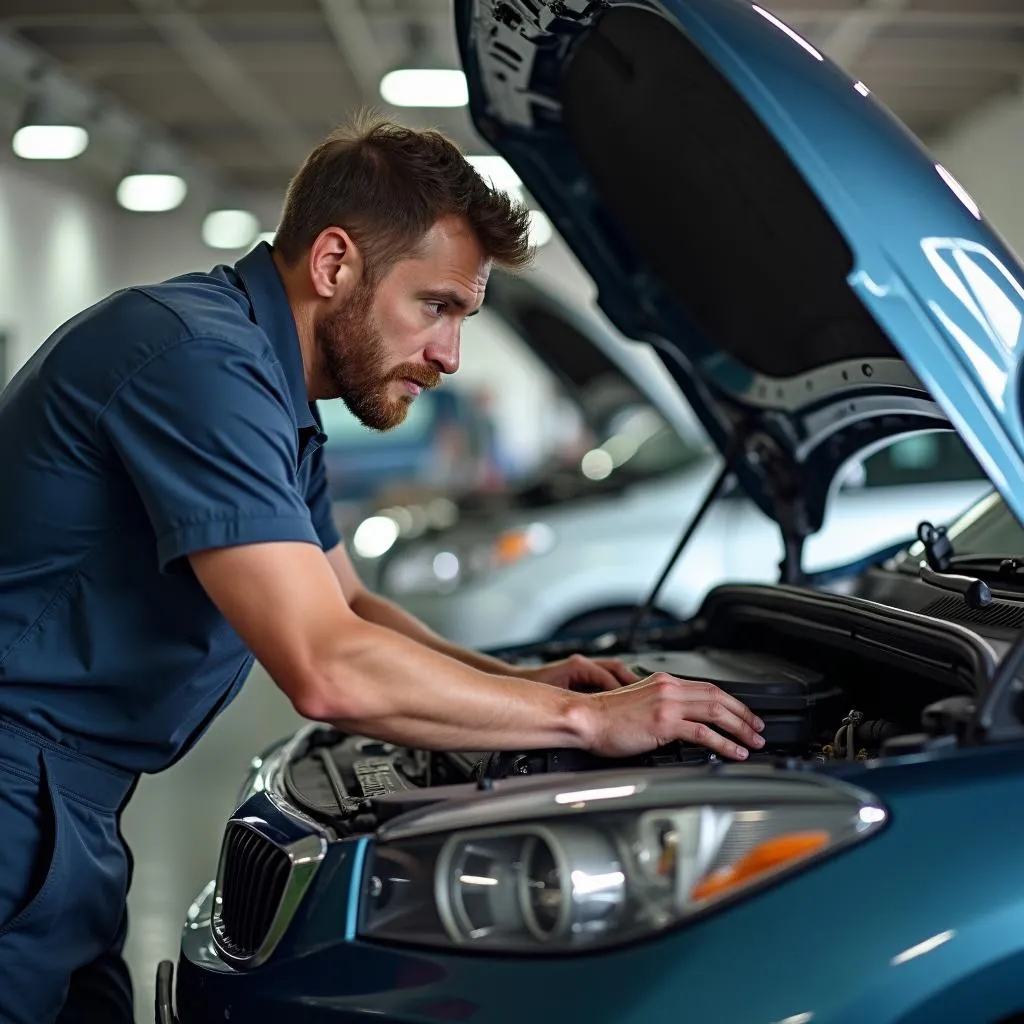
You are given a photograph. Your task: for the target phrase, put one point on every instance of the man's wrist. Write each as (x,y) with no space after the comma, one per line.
(581,719)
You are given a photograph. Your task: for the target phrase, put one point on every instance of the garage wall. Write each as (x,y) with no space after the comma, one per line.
(56,255)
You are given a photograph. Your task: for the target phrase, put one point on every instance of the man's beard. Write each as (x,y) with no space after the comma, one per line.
(353,364)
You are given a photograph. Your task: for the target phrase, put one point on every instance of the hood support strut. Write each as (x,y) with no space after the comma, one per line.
(710,498)
(785,488)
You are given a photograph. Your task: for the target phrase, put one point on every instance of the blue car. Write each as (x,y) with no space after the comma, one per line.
(818,287)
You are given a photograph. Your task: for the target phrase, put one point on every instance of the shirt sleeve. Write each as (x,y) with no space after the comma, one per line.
(319,503)
(205,432)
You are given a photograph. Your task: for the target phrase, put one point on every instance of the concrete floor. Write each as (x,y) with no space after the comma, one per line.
(174,824)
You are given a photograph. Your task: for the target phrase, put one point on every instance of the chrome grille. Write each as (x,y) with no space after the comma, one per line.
(260,884)
(253,880)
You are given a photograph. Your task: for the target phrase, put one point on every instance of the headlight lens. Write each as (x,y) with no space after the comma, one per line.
(587,879)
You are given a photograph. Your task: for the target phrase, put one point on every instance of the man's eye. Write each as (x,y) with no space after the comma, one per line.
(436,308)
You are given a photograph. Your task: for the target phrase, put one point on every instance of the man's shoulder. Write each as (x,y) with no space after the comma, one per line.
(186,314)
(98,351)
(199,306)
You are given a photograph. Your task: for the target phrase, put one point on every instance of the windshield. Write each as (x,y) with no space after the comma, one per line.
(987,528)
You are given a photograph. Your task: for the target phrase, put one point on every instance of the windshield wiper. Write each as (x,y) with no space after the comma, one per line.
(1008,568)
(976,593)
(941,560)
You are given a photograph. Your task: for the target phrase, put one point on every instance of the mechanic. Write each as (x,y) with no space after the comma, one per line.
(164,522)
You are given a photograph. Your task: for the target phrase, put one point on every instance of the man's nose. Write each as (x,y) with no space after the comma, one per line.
(444,353)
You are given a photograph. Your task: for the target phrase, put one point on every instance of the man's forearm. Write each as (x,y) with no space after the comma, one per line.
(379,610)
(374,681)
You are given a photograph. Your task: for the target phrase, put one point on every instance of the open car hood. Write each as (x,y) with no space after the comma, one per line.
(814,282)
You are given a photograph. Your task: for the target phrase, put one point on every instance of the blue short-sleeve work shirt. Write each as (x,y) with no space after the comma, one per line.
(165,420)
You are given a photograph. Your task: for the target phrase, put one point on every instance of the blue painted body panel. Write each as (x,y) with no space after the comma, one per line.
(822,942)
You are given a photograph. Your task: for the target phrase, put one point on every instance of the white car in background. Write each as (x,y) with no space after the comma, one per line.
(581,561)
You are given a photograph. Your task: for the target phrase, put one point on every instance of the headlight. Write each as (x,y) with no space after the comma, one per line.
(437,570)
(603,865)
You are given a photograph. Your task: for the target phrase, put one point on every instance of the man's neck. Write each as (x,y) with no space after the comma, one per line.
(302,314)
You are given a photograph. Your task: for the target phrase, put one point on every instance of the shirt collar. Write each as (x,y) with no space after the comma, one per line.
(272,312)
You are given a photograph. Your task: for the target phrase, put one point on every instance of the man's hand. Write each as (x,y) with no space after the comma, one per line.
(657,710)
(578,671)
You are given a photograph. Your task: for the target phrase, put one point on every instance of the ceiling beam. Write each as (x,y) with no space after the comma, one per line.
(850,39)
(904,61)
(396,18)
(825,18)
(357,45)
(109,63)
(215,65)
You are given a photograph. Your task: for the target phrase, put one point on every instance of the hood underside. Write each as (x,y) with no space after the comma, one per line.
(813,281)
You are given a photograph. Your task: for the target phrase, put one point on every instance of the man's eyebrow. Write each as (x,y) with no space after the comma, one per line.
(453,298)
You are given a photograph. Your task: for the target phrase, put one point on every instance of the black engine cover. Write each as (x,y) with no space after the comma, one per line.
(795,703)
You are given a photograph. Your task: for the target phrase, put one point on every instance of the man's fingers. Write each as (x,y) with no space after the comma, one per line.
(619,670)
(738,708)
(594,672)
(709,693)
(599,675)
(726,720)
(704,736)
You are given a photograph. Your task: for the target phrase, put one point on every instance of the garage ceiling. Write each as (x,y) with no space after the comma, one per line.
(250,85)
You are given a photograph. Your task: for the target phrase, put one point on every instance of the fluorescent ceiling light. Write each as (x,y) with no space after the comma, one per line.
(541,231)
(49,141)
(230,229)
(151,193)
(424,87)
(498,170)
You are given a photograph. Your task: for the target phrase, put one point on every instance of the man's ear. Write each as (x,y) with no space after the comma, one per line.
(335,263)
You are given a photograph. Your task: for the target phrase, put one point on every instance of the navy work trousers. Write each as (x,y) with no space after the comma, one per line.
(64,876)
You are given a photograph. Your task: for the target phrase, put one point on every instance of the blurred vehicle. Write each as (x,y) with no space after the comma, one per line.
(443,446)
(579,567)
(820,290)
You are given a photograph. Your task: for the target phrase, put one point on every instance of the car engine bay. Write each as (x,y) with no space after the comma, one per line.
(833,678)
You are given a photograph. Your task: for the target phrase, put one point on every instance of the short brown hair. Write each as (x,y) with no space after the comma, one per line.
(387,185)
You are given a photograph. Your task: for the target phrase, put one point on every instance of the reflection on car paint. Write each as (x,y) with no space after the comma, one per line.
(994,300)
